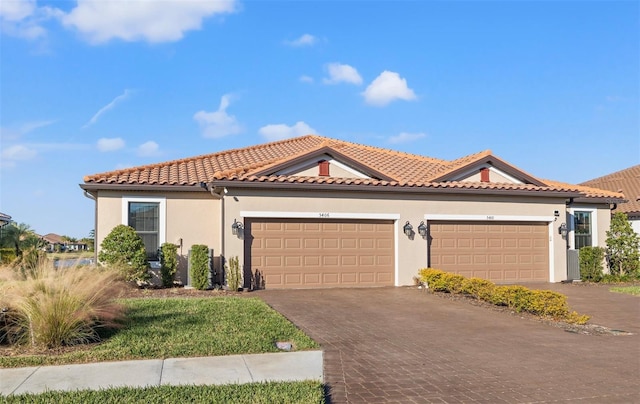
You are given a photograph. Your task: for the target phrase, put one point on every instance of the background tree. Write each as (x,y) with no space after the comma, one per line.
(622,247)
(124,249)
(19,237)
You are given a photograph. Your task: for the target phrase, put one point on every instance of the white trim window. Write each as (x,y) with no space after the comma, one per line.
(147,217)
(584,229)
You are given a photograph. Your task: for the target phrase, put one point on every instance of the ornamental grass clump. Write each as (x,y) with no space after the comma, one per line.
(543,303)
(49,307)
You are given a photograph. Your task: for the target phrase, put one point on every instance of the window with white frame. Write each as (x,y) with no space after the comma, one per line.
(583,229)
(146,217)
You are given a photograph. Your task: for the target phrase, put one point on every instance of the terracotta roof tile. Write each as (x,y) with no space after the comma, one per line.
(403,170)
(626,181)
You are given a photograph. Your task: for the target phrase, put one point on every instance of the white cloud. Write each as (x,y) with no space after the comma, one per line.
(304,40)
(306,79)
(100,21)
(107,107)
(339,73)
(282,131)
(19,152)
(387,87)
(110,144)
(16,10)
(24,19)
(405,137)
(218,124)
(149,148)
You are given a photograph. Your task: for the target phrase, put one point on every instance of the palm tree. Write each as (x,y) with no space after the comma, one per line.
(17,234)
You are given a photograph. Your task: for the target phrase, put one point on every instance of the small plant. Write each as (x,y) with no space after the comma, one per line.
(199,266)
(168,263)
(234,277)
(50,307)
(123,248)
(591,263)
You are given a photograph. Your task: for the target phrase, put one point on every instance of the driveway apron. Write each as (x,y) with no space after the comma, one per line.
(405,345)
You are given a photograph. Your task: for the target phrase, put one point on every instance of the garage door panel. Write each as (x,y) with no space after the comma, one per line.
(498,251)
(299,253)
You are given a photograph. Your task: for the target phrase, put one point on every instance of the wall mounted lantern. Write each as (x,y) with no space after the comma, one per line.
(562,230)
(422,229)
(408,229)
(236,227)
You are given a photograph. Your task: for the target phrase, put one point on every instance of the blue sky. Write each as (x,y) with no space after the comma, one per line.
(85,87)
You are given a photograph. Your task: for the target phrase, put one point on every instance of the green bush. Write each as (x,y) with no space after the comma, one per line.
(234,277)
(519,298)
(124,249)
(623,247)
(168,263)
(591,263)
(7,255)
(199,266)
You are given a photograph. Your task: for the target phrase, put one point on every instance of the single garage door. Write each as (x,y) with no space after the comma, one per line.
(503,252)
(300,253)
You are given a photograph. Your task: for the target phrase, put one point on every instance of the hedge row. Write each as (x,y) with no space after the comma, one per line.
(539,302)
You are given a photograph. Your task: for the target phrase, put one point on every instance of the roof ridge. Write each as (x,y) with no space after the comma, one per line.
(387,151)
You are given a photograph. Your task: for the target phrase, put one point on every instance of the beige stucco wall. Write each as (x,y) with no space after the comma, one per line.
(199,218)
(411,254)
(193,217)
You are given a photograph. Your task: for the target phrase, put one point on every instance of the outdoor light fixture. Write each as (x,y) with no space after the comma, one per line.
(422,229)
(563,230)
(236,227)
(408,229)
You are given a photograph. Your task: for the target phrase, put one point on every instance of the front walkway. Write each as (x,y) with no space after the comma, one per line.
(216,370)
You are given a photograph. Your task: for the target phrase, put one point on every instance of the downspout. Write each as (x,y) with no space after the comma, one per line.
(95,225)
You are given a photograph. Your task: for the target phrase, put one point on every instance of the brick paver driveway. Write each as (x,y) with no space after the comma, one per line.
(404,345)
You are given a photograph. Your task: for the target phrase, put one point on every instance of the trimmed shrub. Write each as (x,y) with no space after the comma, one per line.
(234,277)
(519,298)
(591,263)
(477,287)
(168,263)
(124,249)
(52,307)
(199,266)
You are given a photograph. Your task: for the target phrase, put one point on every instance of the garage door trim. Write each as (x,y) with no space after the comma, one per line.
(502,218)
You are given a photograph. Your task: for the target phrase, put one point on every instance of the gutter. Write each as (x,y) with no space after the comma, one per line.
(142,187)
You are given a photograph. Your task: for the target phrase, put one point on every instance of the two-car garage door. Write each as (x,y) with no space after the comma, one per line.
(506,252)
(311,253)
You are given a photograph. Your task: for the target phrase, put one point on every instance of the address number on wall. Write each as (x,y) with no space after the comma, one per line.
(490,217)
(323,215)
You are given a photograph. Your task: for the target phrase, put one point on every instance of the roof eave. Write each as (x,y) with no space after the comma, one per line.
(141,187)
(398,189)
(597,199)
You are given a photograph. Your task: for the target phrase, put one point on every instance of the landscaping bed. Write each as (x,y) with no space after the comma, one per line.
(175,327)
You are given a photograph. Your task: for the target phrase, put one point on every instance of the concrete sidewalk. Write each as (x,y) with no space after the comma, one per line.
(215,370)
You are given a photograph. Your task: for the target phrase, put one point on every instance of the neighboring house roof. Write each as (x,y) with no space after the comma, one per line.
(52,238)
(387,170)
(626,181)
(4,219)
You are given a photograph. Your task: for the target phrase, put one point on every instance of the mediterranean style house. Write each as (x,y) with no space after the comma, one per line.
(316,212)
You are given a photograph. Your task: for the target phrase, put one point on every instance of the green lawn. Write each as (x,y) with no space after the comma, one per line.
(631,290)
(284,392)
(183,327)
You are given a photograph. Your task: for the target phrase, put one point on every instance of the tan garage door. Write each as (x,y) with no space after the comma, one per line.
(300,253)
(503,252)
